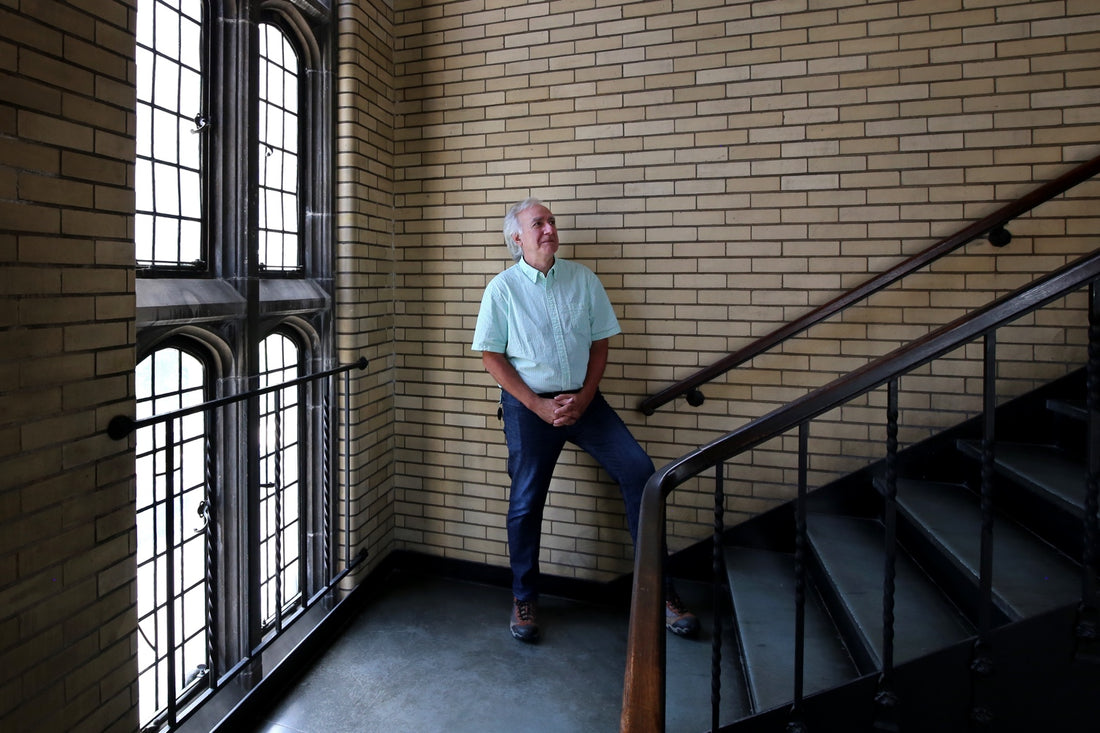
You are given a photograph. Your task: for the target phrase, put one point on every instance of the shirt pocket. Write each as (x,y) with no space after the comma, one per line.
(575,322)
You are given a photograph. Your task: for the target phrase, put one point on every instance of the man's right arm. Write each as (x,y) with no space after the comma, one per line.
(508,378)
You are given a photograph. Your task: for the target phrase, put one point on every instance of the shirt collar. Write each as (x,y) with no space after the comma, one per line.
(533,274)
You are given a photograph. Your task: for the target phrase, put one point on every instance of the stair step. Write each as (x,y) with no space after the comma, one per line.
(1029,576)
(1070,408)
(850,552)
(762,587)
(1041,468)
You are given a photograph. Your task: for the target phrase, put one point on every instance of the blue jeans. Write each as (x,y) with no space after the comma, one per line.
(533,450)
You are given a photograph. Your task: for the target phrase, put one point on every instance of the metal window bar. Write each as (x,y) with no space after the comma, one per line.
(279,208)
(168,216)
(174,700)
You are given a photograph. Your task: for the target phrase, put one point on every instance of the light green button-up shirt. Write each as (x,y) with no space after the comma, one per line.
(545,324)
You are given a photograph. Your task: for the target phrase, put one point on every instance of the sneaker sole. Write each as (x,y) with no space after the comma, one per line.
(526,638)
(687,633)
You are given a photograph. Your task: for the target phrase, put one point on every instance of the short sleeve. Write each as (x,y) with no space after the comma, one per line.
(604,322)
(491,329)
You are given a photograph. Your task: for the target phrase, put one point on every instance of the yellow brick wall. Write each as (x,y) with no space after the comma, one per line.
(66,359)
(365,264)
(724,167)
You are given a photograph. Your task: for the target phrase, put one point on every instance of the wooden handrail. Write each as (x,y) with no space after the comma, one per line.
(644,683)
(992,226)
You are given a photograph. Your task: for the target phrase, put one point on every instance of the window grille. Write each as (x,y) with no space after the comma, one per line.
(222,569)
(278,137)
(171,516)
(168,220)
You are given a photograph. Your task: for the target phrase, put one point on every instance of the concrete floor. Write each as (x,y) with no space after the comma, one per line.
(432,654)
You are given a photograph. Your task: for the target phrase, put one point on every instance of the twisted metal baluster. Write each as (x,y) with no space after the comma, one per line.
(210,541)
(886,698)
(347,470)
(717,568)
(278,453)
(795,719)
(981,665)
(170,563)
(326,484)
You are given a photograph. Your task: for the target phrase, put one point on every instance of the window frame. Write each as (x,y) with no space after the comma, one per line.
(225,309)
(201,266)
(190,689)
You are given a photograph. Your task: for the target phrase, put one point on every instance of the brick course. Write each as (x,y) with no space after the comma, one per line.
(723,166)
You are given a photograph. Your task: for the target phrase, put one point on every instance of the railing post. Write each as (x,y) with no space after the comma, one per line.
(796,720)
(278,497)
(718,570)
(170,562)
(886,698)
(210,540)
(643,708)
(347,469)
(253,603)
(326,481)
(981,666)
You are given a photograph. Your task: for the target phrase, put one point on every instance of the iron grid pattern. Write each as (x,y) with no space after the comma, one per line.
(279,240)
(171,547)
(168,184)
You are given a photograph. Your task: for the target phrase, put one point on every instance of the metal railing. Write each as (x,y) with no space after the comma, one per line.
(644,687)
(991,227)
(189,686)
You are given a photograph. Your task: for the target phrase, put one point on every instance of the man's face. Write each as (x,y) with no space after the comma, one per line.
(538,233)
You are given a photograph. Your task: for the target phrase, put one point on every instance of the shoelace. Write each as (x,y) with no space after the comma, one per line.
(675,604)
(525,610)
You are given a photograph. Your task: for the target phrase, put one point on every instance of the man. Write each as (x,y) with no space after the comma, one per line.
(543,331)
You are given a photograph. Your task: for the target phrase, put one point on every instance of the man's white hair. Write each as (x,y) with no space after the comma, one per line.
(512,226)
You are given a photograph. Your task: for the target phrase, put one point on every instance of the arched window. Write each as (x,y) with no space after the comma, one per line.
(233,131)
(171,510)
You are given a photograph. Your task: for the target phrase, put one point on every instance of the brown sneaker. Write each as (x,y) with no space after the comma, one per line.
(678,619)
(523,623)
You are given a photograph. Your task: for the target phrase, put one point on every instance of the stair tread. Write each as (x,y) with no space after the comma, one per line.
(850,550)
(1071,408)
(1041,468)
(762,587)
(1029,576)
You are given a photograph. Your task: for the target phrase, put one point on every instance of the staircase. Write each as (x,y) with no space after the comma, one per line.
(1039,475)
(940,589)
